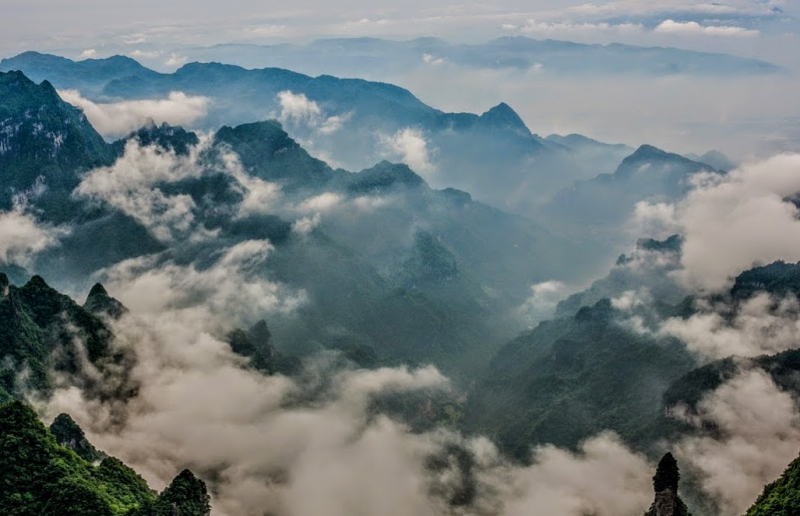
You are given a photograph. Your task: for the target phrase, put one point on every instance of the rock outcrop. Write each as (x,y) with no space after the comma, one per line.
(665,482)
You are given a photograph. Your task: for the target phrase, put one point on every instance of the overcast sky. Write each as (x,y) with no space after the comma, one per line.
(742,117)
(762,28)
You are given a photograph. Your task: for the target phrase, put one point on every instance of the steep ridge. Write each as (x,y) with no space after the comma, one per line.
(41,477)
(35,321)
(43,140)
(590,370)
(782,497)
(571,378)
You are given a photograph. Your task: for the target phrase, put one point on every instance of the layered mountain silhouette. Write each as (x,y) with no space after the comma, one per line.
(374,120)
(374,57)
(388,280)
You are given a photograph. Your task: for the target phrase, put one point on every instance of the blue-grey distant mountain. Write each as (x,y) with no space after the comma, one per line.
(714,158)
(645,269)
(373,57)
(608,200)
(430,275)
(89,75)
(572,377)
(494,155)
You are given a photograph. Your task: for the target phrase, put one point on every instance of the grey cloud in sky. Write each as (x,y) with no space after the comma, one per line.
(49,24)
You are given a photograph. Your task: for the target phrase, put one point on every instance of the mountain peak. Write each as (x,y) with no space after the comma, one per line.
(43,137)
(69,434)
(382,176)
(174,138)
(19,92)
(503,116)
(665,483)
(187,494)
(100,303)
(98,290)
(667,474)
(648,152)
(656,162)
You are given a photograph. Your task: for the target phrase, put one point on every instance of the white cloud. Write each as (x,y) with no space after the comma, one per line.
(432,60)
(333,123)
(734,221)
(759,428)
(259,196)
(656,220)
(331,202)
(22,236)
(298,107)
(130,186)
(566,28)
(120,118)
(639,8)
(143,54)
(323,202)
(268,31)
(305,225)
(298,112)
(604,478)
(692,27)
(409,146)
(541,305)
(176,60)
(760,325)
(233,288)
(195,406)
(88,53)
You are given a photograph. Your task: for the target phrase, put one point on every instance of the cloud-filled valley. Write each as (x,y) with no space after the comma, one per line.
(233,286)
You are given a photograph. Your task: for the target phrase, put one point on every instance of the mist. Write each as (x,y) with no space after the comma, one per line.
(271,444)
(759,428)
(732,222)
(749,117)
(116,119)
(448,330)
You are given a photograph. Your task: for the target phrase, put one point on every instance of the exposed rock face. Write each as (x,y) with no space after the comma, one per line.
(101,304)
(665,504)
(665,482)
(69,434)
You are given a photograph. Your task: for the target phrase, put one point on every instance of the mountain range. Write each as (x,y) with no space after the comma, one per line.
(383,267)
(435,245)
(355,123)
(378,58)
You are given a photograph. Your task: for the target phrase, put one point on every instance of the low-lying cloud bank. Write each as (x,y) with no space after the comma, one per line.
(115,119)
(313,446)
(759,434)
(22,236)
(410,147)
(762,325)
(131,186)
(734,221)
